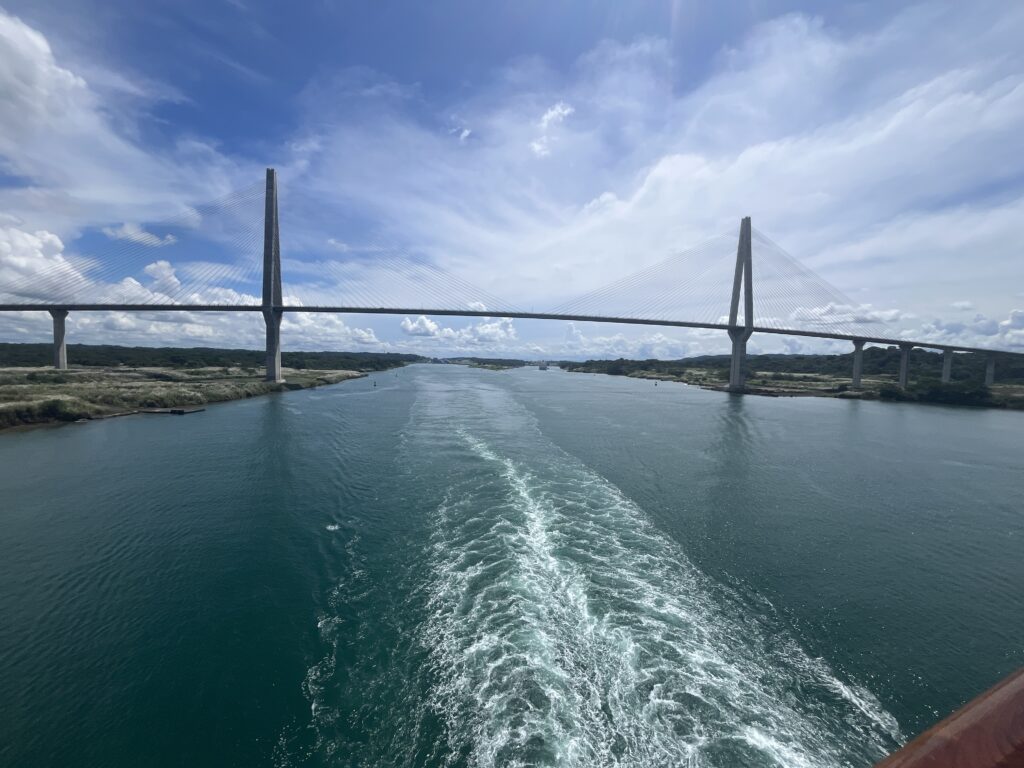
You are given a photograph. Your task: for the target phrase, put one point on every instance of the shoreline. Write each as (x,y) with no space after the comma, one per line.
(33,398)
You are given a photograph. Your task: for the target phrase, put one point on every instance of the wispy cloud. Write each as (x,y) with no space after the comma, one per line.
(879,185)
(136,234)
(541,146)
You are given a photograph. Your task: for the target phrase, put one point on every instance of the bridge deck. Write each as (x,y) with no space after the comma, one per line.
(480,313)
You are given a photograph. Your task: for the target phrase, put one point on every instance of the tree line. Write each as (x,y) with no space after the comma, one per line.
(110,356)
(923,365)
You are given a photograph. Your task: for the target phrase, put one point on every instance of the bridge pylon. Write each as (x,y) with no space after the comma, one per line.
(741,333)
(272,299)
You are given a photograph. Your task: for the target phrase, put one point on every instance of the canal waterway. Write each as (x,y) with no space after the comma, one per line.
(442,566)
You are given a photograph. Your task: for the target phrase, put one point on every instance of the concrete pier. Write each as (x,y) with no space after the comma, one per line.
(947,365)
(60,347)
(740,334)
(990,370)
(738,363)
(273,321)
(904,363)
(858,362)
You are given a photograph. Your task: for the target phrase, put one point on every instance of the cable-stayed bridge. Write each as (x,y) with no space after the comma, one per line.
(711,286)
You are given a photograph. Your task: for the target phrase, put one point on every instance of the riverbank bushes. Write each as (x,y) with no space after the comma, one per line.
(954,393)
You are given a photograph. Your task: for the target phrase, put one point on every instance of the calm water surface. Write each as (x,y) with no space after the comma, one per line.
(473,568)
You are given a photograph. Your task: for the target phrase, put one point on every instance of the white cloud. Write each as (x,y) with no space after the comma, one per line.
(164,279)
(962,306)
(862,314)
(649,344)
(33,266)
(539,147)
(136,234)
(554,116)
(980,331)
(421,326)
(77,143)
(310,331)
(489,332)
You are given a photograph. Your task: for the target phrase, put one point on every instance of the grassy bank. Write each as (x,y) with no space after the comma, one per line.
(30,395)
(829,376)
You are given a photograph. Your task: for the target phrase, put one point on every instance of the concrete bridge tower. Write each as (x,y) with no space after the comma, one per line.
(272,300)
(740,334)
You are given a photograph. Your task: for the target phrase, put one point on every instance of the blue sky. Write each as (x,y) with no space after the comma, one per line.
(537,149)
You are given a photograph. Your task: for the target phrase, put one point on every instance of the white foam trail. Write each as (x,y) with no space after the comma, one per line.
(565,630)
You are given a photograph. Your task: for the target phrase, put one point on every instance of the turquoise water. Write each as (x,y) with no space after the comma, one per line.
(473,568)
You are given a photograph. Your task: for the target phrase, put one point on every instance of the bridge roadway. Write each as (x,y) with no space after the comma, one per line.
(273,307)
(480,313)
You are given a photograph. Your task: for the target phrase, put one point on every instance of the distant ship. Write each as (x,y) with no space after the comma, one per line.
(542,366)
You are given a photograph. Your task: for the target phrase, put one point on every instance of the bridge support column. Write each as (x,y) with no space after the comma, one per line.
(990,370)
(273,321)
(904,363)
(947,365)
(60,347)
(858,362)
(738,363)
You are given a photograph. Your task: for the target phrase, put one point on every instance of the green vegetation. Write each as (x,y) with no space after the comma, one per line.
(108,356)
(878,361)
(41,412)
(829,376)
(107,380)
(32,396)
(954,393)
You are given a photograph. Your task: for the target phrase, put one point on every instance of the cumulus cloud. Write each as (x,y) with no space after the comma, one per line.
(980,331)
(326,331)
(164,279)
(489,332)
(33,266)
(656,344)
(421,326)
(76,141)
